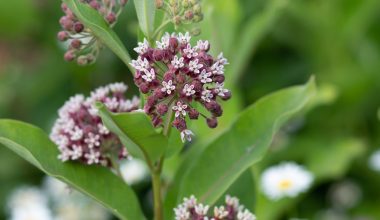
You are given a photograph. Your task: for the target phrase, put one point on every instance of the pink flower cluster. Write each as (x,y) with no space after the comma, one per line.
(190,209)
(83,46)
(80,133)
(176,76)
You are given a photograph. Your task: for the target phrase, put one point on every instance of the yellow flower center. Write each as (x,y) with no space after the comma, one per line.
(285,184)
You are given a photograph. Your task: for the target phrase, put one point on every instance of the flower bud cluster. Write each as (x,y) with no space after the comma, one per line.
(176,76)
(82,44)
(80,133)
(182,11)
(190,209)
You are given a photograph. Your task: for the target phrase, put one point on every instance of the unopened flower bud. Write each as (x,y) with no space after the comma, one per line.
(189,15)
(180,124)
(94,4)
(212,122)
(197,9)
(177,20)
(62,36)
(157,120)
(78,27)
(193,114)
(197,18)
(159,4)
(196,31)
(219,78)
(227,95)
(194,2)
(76,43)
(144,88)
(69,56)
(162,109)
(123,2)
(186,3)
(111,18)
(158,55)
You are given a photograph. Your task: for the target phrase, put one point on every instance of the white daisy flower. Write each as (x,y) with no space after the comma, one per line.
(285,180)
(374,161)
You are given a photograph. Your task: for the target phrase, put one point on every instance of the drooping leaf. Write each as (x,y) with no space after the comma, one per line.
(146,11)
(101,184)
(244,144)
(136,131)
(96,23)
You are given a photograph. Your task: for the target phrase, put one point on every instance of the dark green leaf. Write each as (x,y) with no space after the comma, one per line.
(34,145)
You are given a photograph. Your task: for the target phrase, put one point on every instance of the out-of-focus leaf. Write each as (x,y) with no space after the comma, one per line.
(243,144)
(146,11)
(96,23)
(34,145)
(252,33)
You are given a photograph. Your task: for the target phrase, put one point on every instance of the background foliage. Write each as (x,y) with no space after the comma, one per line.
(270,44)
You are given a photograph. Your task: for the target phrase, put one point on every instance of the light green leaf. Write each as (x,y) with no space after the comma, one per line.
(137,133)
(100,183)
(96,23)
(146,11)
(244,144)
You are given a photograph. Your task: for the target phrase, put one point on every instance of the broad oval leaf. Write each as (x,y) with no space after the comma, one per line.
(244,144)
(136,132)
(34,145)
(96,23)
(146,11)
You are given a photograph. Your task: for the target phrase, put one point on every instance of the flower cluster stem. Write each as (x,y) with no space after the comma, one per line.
(156,181)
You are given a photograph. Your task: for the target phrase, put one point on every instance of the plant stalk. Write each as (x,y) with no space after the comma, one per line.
(156,181)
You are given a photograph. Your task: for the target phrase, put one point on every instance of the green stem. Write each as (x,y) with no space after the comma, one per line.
(156,181)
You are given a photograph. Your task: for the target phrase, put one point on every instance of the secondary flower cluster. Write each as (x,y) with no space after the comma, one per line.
(183,11)
(177,76)
(83,45)
(285,180)
(190,209)
(80,133)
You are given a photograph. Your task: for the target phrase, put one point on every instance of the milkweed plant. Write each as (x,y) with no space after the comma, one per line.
(185,91)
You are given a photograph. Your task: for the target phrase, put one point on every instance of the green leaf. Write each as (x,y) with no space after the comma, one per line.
(252,33)
(99,27)
(136,132)
(34,145)
(146,11)
(244,144)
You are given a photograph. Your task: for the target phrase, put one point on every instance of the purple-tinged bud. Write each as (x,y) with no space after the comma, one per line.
(123,2)
(111,18)
(189,15)
(66,23)
(212,122)
(198,87)
(144,88)
(159,3)
(156,121)
(158,55)
(62,36)
(158,94)
(227,95)
(180,124)
(193,114)
(173,43)
(162,109)
(94,4)
(76,43)
(211,105)
(169,76)
(78,27)
(219,78)
(64,7)
(69,56)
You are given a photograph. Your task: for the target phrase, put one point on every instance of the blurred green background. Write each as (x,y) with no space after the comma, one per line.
(271,44)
